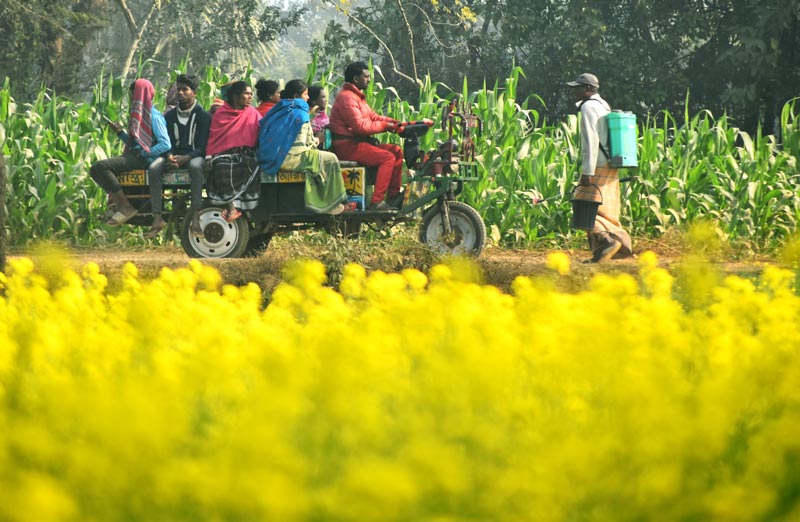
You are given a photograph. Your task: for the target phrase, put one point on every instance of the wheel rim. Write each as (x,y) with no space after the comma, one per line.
(219,237)
(461,240)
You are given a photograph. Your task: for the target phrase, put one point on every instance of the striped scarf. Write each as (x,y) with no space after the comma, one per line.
(140,131)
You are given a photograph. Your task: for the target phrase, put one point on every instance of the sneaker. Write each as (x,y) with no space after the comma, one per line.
(607,252)
(380,205)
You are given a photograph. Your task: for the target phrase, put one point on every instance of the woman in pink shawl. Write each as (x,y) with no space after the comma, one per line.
(234,179)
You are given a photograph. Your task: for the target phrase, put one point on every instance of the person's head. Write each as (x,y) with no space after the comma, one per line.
(357,73)
(187,87)
(238,94)
(317,96)
(172,96)
(584,86)
(295,89)
(267,90)
(142,90)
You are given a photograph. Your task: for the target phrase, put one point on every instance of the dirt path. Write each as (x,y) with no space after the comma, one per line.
(498,266)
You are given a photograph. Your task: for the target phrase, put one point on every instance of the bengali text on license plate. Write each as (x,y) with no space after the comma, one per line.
(132,178)
(290,177)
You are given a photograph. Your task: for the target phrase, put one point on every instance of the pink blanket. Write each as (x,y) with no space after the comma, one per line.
(231,128)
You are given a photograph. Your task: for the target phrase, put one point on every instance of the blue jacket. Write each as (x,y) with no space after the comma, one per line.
(161,144)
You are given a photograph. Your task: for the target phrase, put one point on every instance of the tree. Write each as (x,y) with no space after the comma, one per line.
(43,44)
(229,34)
(736,56)
(412,38)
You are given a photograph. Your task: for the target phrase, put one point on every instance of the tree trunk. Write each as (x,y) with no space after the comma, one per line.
(137,40)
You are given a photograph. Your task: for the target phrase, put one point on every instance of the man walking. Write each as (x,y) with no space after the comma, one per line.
(607,239)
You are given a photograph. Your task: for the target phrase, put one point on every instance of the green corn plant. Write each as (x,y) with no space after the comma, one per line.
(704,168)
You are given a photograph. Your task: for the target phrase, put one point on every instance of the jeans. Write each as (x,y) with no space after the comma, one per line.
(155,173)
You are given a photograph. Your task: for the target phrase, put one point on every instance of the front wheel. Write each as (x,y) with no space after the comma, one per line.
(219,239)
(467,234)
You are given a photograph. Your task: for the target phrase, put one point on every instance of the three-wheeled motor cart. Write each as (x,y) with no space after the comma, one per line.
(448,226)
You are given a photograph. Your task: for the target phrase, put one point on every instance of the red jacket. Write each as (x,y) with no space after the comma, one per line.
(352,116)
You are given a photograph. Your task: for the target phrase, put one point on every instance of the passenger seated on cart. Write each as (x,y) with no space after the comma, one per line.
(353,123)
(268,95)
(234,179)
(145,141)
(318,101)
(286,142)
(188,126)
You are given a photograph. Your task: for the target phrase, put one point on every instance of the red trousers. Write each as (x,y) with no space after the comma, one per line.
(386,156)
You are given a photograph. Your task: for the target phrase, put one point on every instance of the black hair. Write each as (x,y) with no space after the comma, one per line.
(293,89)
(187,80)
(314,92)
(232,90)
(353,70)
(265,89)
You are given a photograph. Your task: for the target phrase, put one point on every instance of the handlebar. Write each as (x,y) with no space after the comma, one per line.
(413,129)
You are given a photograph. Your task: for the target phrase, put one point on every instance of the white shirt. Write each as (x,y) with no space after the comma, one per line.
(594,132)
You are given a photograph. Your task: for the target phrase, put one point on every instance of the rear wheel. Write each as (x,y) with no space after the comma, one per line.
(467,234)
(219,239)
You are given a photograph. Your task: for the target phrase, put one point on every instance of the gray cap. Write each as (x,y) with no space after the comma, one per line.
(585,79)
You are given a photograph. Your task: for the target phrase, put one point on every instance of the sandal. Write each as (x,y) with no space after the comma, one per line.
(335,211)
(119,218)
(231,215)
(155,230)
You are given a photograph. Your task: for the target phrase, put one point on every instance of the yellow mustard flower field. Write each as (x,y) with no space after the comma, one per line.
(409,396)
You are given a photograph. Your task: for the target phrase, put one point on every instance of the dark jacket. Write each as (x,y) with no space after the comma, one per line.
(191,138)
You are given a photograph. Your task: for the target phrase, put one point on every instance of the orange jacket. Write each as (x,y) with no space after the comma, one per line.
(352,116)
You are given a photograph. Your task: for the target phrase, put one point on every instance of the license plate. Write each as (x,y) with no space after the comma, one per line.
(291,177)
(133,178)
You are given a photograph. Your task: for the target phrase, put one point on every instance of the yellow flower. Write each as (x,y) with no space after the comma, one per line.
(558,261)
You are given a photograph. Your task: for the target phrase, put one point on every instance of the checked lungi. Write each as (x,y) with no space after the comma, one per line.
(235,177)
(606,225)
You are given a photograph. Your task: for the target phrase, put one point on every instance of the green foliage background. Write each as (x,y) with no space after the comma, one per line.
(703,169)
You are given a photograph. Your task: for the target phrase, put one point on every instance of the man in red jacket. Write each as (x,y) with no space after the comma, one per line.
(352,124)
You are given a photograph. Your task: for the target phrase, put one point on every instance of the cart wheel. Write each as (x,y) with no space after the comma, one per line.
(219,239)
(467,236)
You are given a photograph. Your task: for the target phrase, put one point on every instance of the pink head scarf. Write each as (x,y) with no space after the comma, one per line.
(140,130)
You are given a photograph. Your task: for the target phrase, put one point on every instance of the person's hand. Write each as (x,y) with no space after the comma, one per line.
(116,127)
(391,125)
(313,110)
(427,121)
(585,180)
(176,162)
